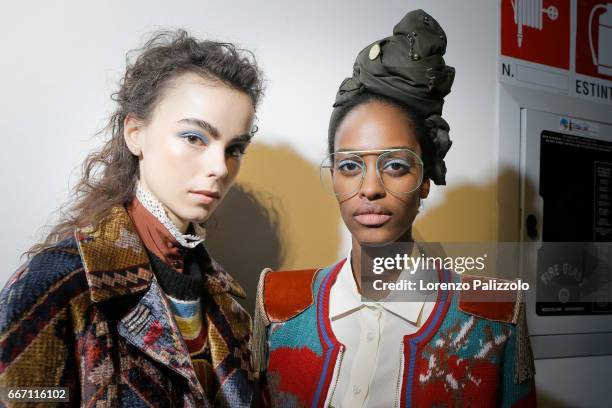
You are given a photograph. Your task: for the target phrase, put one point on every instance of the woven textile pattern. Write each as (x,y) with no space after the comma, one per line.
(88,314)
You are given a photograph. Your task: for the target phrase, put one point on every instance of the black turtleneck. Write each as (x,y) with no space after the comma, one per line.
(187,285)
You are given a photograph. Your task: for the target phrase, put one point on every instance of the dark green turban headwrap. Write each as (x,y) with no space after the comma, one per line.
(409,67)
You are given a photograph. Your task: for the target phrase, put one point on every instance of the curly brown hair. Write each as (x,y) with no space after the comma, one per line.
(109,174)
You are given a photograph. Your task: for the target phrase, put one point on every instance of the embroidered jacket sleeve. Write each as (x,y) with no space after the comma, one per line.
(37,325)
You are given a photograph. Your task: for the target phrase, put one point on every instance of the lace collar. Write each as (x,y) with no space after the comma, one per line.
(156,208)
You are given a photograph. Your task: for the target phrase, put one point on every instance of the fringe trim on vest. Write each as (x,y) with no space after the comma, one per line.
(524,367)
(259,346)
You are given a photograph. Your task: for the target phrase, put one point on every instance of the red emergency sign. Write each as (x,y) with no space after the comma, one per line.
(594,38)
(536,31)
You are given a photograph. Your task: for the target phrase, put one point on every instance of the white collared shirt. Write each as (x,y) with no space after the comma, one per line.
(372,333)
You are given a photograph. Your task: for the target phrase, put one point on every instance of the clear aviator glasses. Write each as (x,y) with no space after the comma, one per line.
(400,171)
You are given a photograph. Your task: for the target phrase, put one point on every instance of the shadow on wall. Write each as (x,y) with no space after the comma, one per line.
(475,213)
(244,236)
(467,214)
(276,216)
(471,212)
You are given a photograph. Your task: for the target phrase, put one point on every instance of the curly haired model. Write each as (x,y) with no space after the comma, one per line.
(121,303)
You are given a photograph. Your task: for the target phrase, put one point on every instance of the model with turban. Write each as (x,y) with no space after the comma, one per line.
(362,333)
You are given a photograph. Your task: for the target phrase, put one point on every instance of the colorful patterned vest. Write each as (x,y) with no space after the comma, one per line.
(465,354)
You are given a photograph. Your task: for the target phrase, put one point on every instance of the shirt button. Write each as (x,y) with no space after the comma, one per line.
(356,389)
(370,336)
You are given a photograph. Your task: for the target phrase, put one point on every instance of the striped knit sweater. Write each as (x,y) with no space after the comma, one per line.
(184,293)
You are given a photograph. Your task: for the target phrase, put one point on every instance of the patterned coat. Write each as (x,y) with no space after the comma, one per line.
(89,314)
(467,353)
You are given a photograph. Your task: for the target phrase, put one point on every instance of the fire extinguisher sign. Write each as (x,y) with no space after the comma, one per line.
(536,47)
(594,50)
(594,39)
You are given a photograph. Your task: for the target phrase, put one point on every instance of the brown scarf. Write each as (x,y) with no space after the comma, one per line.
(155,236)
